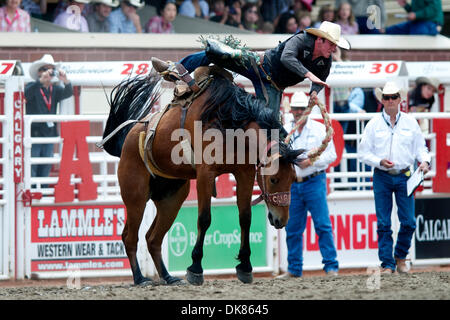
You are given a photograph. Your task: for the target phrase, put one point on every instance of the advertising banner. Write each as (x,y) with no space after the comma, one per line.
(222,240)
(84,237)
(432,237)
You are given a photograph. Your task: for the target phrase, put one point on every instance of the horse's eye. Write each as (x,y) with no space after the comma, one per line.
(274,180)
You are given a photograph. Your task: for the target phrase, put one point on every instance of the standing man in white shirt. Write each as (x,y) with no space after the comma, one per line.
(392,141)
(309,193)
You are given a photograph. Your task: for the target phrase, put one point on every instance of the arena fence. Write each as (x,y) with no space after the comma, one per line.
(55,226)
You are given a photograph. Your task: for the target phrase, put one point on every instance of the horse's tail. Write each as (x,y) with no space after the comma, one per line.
(132,99)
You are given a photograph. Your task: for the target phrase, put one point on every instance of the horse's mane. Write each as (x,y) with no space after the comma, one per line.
(231,107)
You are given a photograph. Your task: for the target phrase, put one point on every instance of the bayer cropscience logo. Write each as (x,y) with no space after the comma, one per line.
(178,239)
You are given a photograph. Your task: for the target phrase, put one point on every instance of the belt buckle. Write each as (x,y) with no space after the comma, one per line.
(299,179)
(394,172)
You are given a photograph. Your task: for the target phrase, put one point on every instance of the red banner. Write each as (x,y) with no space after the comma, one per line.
(84,237)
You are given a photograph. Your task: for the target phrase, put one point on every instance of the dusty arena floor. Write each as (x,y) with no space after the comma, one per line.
(420,284)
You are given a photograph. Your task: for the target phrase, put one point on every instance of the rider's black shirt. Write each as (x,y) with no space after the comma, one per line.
(292,59)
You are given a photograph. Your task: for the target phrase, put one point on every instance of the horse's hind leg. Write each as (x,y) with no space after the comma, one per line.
(166,212)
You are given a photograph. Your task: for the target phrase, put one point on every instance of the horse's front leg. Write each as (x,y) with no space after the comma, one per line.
(205,185)
(244,190)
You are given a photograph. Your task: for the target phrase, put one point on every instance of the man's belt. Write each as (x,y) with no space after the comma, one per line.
(304,179)
(395,172)
(262,56)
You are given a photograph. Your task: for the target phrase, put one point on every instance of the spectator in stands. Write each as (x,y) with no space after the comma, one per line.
(98,19)
(219,12)
(346,19)
(291,62)
(370,14)
(195,9)
(14,19)
(287,24)
(304,20)
(267,28)
(272,9)
(235,15)
(42,96)
(391,143)
(326,13)
(35,9)
(162,22)
(424,17)
(421,98)
(250,17)
(125,19)
(309,193)
(301,5)
(72,18)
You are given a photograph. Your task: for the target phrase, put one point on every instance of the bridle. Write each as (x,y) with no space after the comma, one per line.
(279,199)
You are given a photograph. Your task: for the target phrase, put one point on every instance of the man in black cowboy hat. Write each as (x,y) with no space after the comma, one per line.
(304,55)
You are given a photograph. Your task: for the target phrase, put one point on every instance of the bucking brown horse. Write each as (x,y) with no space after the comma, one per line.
(223,111)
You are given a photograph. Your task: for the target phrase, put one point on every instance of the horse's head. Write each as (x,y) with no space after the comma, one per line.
(275,175)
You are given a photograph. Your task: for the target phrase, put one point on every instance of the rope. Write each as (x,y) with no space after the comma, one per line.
(313,156)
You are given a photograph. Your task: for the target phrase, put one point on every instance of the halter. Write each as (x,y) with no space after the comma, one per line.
(279,199)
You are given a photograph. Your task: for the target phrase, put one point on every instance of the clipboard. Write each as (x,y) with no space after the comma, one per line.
(414,181)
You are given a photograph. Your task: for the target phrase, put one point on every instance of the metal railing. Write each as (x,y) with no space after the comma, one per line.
(343,182)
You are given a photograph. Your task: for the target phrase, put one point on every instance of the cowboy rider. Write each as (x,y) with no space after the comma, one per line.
(304,55)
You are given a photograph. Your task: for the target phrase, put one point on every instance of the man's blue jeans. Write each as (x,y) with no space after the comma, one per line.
(310,196)
(384,185)
(195,60)
(414,27)
(41,150)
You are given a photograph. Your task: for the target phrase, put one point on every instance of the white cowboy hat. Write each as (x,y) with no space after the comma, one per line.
(332,32)
(46,59)
(431,81)
(135,3)
(390,88)
(299,100)
(82,1)
(109,3)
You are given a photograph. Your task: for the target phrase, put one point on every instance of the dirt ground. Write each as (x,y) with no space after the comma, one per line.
(420,284)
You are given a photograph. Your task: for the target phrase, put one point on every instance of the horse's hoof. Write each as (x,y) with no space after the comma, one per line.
(245,277)
(174,281)
(194,278)
(145,283)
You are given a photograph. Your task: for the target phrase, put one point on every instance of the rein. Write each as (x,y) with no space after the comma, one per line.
(279,199)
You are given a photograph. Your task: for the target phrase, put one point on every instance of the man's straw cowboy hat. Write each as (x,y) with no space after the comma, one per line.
(390,88)
(46,59)
(332,32)
(299,100)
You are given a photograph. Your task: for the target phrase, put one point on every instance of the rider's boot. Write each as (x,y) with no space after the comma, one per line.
(220,50)
(173,72)
(166,69)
